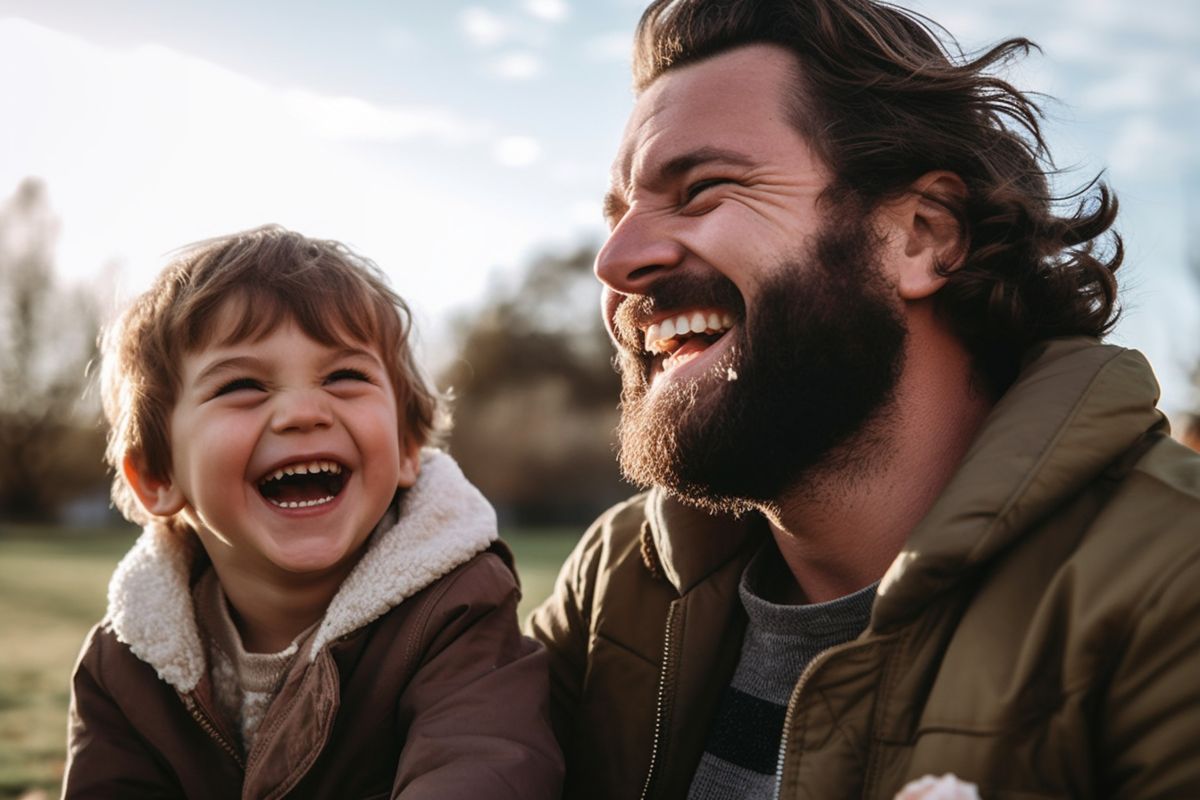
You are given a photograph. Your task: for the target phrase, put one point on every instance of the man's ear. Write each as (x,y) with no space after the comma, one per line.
(159,496)
(923,233)
(410,464)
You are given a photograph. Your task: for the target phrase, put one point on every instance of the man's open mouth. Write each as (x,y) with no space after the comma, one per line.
(684,335)
(304,484)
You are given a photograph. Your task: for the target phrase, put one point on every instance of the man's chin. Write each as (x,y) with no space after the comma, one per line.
(663,436)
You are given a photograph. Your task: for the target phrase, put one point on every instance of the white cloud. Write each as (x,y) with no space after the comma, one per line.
(483,27)
(520,65)
(351,119)
(550,10)
(1145,148)
(1133,89)
(401,40)
(614,46)
(517,151)
(587,214)
(1191,79)
(146,149)
(1166,20)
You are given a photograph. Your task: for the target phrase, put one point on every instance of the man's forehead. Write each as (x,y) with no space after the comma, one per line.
(718,103)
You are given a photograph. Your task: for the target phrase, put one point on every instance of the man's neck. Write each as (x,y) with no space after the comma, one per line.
(840,530)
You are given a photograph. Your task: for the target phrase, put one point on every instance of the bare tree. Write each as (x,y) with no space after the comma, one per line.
(49,436)
(536,396)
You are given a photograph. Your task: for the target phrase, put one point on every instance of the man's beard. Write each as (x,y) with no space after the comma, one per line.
(814,366)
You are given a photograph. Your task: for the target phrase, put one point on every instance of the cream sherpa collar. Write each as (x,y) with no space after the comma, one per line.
(444,522)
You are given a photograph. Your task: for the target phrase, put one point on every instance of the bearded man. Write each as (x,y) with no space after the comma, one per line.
(906,515)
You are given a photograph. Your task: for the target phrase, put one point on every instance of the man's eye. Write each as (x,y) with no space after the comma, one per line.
(347,375)
(237,385)
(700,186)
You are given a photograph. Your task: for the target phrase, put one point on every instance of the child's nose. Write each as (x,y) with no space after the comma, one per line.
(301,410)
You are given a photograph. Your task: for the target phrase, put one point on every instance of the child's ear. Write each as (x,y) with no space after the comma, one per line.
(159,496)
(410,464)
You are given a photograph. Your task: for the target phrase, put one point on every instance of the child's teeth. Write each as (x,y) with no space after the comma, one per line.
(303,503)
(310,468)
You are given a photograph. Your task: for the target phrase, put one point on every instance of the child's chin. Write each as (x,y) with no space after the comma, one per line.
(310,561)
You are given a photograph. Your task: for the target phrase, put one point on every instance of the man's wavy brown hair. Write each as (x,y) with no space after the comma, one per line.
(270,275)
(885,96)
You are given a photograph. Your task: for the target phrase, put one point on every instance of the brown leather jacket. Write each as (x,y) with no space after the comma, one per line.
(417,684)
(1039,635)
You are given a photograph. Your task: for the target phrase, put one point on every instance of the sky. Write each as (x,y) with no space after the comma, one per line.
(453,141)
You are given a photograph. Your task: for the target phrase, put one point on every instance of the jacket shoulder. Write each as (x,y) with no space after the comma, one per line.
(489,577)
(103,653)
(1154,508)
(1149,717)
(618,530)
(620,523)
(1152,521)
(1174,470)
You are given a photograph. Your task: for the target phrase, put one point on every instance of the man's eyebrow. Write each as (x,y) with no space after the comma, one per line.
(614,204)
(614,207)
(680,164)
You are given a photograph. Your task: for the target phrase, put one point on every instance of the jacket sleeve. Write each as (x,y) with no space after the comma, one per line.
(562,623)
(1151,717)
(478,702)
(106,757)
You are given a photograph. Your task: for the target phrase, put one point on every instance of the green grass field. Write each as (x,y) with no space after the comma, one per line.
(52,589)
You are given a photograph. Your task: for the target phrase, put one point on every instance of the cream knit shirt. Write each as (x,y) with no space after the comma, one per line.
(244,684)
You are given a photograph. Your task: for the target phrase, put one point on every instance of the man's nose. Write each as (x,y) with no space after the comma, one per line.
(301,410)
(636,254)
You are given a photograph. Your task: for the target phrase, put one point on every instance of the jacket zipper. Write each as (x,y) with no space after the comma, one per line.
(821,658)
(666,688)
(206,724)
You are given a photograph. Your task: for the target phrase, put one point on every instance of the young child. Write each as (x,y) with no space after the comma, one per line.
(317,607)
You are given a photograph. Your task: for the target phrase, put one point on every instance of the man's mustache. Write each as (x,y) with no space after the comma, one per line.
(673,293)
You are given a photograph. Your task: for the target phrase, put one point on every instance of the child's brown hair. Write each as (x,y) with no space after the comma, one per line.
(270,274)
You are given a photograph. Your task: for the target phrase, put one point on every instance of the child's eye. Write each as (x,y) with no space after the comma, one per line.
(347,375)
(237,385)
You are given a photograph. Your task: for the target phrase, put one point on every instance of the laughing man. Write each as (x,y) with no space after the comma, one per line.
(906,514)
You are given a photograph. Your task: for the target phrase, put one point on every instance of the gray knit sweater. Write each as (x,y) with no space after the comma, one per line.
(739,761)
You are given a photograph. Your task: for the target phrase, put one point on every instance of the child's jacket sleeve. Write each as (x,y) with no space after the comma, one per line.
(479,701)
(105,755)
(130,735)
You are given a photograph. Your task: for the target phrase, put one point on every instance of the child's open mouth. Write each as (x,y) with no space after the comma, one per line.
(304,484)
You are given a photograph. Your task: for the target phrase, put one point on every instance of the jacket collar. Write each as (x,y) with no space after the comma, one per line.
(1075,408)
(692,544)
(443,522)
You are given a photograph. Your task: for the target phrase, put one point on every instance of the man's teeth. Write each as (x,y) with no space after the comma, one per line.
(306,468)
(660,334)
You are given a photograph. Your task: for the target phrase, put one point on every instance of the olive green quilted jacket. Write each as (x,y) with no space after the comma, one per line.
(1038,636)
